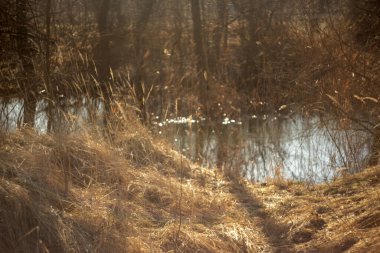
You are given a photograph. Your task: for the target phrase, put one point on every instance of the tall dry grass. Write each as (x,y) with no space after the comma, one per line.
(123,192)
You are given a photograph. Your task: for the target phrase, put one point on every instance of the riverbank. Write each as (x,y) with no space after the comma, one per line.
(341,216)
(82,194)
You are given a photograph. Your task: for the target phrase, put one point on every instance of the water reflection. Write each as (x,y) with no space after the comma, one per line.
(72,115)
(303,148)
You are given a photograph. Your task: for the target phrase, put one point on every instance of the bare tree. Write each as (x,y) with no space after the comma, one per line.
(26,52)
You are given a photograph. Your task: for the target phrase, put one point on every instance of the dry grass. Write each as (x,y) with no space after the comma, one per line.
(79,193)
(336,217)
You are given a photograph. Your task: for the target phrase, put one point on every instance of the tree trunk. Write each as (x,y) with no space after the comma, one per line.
(375,151)
(200,55)
(201,69)
(221,30)
(147,8)
(51,91)
(25,52)
(102,59)
(222,150)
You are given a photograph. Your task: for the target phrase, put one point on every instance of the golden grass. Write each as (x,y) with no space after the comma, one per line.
(343,215)
(80,193)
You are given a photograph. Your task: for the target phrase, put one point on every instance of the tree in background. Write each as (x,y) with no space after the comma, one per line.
(26,52)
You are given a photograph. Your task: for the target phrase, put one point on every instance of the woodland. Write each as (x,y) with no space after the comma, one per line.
(86,85)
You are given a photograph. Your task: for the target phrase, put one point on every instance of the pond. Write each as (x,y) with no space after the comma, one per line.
(305,148)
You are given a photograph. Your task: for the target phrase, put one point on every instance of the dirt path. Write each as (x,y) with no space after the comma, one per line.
(272,229)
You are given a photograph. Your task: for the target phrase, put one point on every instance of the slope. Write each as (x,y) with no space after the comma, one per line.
(83,193)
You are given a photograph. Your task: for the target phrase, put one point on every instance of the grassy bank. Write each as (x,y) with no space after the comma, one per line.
(80,193)
(342,216)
